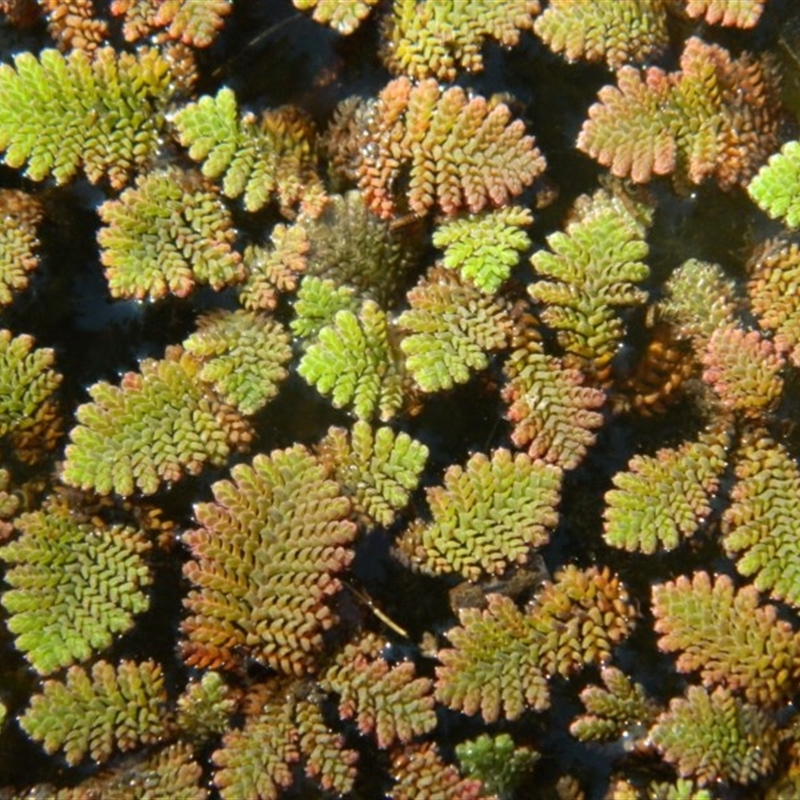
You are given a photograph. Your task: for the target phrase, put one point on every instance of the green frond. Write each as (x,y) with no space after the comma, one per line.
(274,269)
(450,329)
(259,160)
(73,586)
(353,359)
(501,658)
(776,186)
(437,38)
(663,499)
(344,16)
(420,773)
(264,564)
(496,762)
(257,761)
(115,707)
(589,272)
(484,247)
(618,33)
(18,242)
(727,636)
(318,301)
(487,516)
(387,701)
(743,369)
(352,246)
(166,234)
(715,117)
(493,665)
(158,425)
(736,13)
(698,299)
(205,707)
(377,468)
(102,113)
(621,709)
(774,271)
(461,151)
(327,761)
(28,380)
(242,355)
(717,738)
(761,523)
(554,415)
(680,789)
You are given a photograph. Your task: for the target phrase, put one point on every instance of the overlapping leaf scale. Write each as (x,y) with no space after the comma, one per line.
(736,13)
(715,117)
(118,707)
(501,658)
(728,637)
(205,707)
(354,360)
(437,38)
(717,738)
(618,33)
(663,499)
(168,233)
(45,105)
(420,773)
(385,700)
(194,22)
(497,762)
(484,247)
(449,330)
(488,515)
(259,160)
(590,271)
(264,564)
(774,275)
(621,709)
(342,17)
(554,415)
(760,525)
(243,356)
(73,586)
(317,304)
(462,152)
(18,242)
(158,425)
(377,468)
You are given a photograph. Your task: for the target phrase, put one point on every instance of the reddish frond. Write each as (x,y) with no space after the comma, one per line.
(420,773)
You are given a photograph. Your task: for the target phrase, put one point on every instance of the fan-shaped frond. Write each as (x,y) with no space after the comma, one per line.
(158,425)
(73,586)
(243,356)
(102,113)
(487,515)
(115,707)
(344,16)
(728,637)
(261,160)
(166,234)
(265,562)
(436,38)
(18,242)
(618,33)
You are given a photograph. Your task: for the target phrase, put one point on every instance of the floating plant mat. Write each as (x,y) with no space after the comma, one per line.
(399,399)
